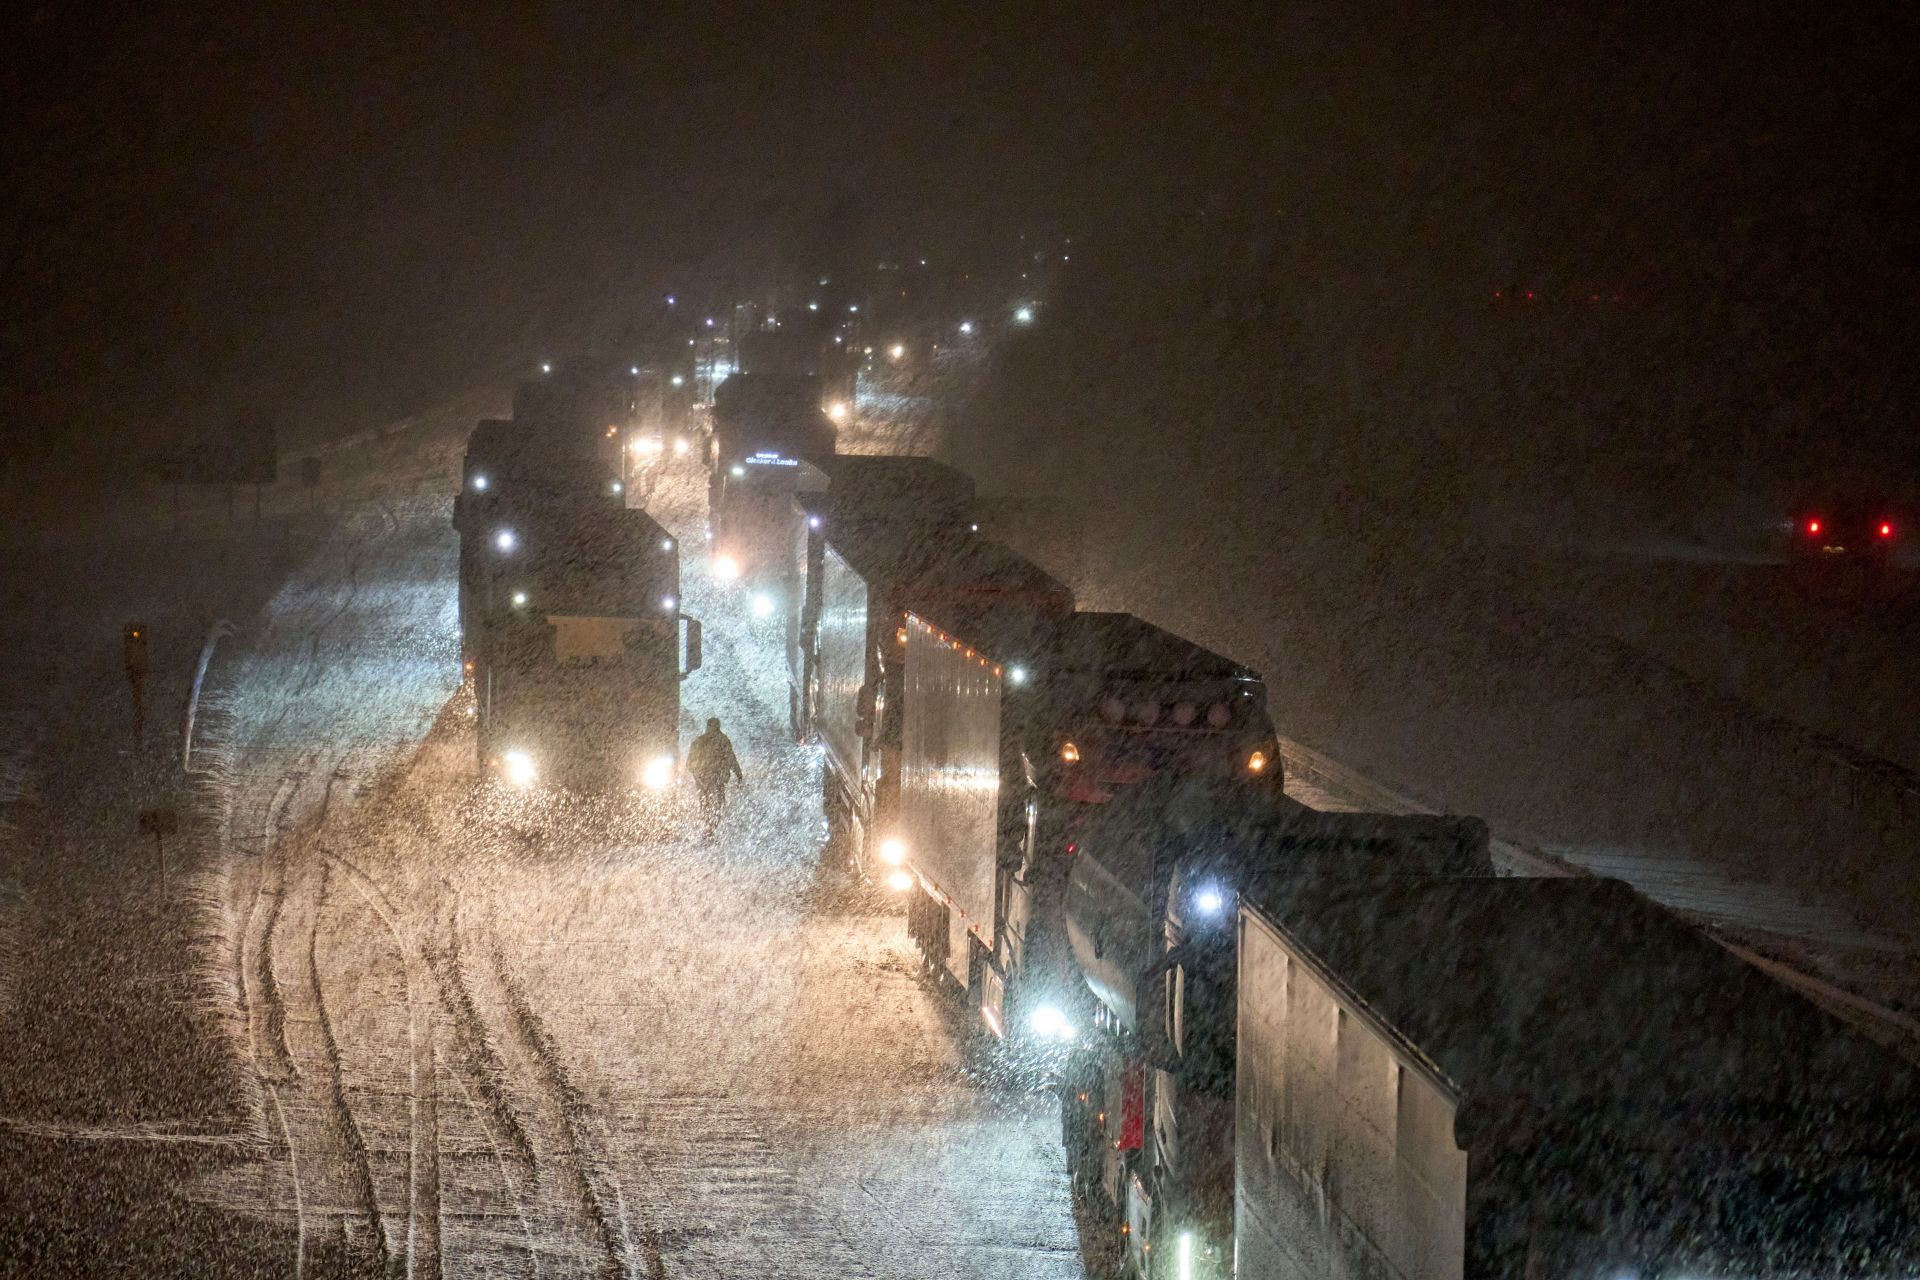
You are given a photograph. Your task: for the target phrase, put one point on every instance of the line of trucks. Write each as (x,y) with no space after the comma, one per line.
(1288,1043)
(1292,1043)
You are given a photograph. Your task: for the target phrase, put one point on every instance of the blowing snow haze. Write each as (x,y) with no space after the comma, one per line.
(355,211)
(1304,621)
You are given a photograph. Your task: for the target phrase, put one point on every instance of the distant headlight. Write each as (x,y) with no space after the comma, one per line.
(647,444)
(480,484)
(657,775)
(726,568)
(681,446)
(762,605)
(1049,1023)
(519,768)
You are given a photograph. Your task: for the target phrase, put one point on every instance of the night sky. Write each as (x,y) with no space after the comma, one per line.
(354,211)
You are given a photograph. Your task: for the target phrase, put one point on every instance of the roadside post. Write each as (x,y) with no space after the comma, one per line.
(160,823)
(133,644)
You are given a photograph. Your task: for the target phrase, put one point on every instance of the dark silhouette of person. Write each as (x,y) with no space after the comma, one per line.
(713,764)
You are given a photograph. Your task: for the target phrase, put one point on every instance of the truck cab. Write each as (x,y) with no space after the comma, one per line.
(1151,919)
(771,443)
(1120,704)
(579,657)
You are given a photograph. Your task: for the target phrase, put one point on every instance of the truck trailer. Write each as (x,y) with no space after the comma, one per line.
(577,678)
(870,575)
(510,466)
(1148,1094)
(1554,1077)
(592,401)
(1017,726)
(771,413)
(885,519)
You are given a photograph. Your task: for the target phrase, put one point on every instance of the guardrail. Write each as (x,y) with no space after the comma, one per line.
(1510,857)
(1844,821)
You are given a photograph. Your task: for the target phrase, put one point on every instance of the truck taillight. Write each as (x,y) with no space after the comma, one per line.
(1886,528)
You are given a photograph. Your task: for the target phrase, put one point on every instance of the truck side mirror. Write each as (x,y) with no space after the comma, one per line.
(693,646)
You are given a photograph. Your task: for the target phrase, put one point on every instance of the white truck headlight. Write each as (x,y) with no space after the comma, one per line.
(657,773)
(519,769)
(1049,1023)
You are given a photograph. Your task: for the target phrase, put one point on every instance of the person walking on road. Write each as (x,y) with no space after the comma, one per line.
(713,764)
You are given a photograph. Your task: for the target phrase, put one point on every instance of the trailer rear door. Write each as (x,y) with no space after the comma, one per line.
(950,781)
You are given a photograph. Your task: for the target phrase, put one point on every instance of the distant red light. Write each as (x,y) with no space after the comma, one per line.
(1886,528)
(1813,526)
(1529,295)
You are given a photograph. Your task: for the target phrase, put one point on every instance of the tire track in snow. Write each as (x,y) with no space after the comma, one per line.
(423,1261)
(359,1162)
(481,1075)
(259,984)
(264,1007)
(564,1111)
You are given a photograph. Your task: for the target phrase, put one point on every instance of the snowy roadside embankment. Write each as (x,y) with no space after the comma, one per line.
(206,900)
(117,1017)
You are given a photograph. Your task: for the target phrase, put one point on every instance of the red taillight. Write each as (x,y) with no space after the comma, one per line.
(1813,526)
(1886,528)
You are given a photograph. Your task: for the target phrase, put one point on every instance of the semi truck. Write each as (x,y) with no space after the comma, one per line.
(1017,724)
(1551,1077)
(591,399)
(805,343)
(509,466)
(883,519)
(1148,1091)
(771,443)
(662,431)
(579,664)
(773,413)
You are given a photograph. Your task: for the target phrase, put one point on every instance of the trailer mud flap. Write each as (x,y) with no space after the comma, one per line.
(927,925)
(960,948)
(993,1001)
